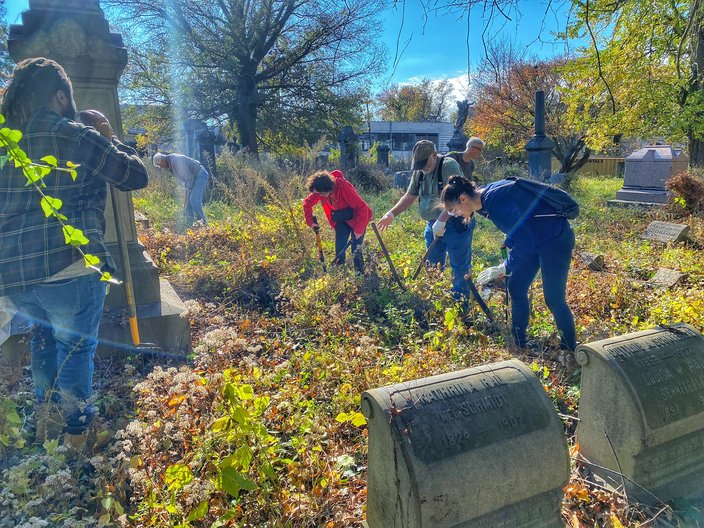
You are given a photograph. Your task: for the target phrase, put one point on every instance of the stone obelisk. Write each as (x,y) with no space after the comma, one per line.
(76,34)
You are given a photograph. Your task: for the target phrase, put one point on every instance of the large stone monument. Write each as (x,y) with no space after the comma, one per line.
(349,149)
(477,448)
(641,412)
(540,146)
(646,172)
(76,34)
(458,141)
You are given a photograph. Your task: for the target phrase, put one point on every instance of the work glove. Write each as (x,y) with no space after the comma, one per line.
(490,274)
(385,221)
(439,228)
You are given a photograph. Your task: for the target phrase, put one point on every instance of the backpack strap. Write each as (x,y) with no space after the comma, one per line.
(440,184)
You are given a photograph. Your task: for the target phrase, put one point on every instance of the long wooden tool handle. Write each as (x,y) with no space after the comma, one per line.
(386,254)
(425,257)
(126,270)
(319,243)
(478,298)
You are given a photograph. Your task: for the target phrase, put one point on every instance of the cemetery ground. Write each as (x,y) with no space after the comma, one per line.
(262,426)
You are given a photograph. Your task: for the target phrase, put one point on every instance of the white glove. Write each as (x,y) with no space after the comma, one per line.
(490,274)
(439,228)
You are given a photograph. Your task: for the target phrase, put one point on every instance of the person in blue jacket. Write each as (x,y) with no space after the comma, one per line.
(538,238)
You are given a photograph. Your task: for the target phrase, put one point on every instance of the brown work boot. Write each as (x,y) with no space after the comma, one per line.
(49,422)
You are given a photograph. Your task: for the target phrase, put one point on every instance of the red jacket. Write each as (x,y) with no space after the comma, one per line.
(343,195)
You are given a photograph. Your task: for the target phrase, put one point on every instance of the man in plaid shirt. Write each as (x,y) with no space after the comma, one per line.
(45,278)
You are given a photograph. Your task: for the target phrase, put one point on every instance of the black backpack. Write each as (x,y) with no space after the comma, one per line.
(559,200)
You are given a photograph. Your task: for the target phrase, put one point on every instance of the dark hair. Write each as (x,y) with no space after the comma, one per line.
(456,186)
(321,182)
(34,82)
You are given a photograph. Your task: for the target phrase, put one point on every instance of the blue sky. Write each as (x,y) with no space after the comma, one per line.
(434,44)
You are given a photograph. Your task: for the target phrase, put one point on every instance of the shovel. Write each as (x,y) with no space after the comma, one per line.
(319,243)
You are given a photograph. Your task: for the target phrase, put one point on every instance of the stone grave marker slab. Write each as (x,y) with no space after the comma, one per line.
(666,232)
(481,447)
(594,262)
(641,410)
(666,278)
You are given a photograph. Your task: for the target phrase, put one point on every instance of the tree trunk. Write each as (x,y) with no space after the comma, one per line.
(696,142)
(246,115)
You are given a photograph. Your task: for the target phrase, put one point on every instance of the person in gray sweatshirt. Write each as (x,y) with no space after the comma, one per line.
(192,175)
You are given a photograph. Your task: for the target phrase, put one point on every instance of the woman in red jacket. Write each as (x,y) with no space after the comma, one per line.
(345,210)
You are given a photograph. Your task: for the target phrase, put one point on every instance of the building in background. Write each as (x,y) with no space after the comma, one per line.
(402,135)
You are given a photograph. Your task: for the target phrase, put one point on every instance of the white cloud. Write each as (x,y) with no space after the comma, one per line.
(459,84)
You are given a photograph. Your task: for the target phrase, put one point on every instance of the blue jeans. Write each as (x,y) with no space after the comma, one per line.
(195,197)
(65,316)
(553,258)
(343,232)
(457,244)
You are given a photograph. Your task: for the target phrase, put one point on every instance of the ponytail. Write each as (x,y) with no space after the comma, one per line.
(457,186)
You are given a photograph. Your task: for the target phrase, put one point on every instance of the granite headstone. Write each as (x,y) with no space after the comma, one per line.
(641,411)
(481,447)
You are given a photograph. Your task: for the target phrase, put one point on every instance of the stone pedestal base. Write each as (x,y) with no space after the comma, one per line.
(644,195)
(160,323)
(145,277)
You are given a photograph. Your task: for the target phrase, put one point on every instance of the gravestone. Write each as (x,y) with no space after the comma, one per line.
(646,172)
(666,232)
(481,447)
(641,411)
(540,146)
(76,34)
(402,179)
(349,149)
(382,155)
(594,262)
(458,141)
(666,278)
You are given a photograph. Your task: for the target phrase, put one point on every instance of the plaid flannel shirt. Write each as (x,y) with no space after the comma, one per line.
(32,246)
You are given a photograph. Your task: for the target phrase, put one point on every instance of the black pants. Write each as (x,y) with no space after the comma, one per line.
(343,232)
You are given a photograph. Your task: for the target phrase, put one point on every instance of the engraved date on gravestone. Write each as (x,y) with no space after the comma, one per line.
(443,419)
(666,371)
(666,232)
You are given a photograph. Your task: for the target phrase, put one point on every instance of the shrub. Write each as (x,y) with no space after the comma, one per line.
(687,191)
(370,178)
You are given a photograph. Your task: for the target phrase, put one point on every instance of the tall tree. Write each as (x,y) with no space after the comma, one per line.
(643,74)
(504,112)
(234,58)
(426,101)
(6,63)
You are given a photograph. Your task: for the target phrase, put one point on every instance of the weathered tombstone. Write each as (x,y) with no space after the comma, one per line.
(349,148)
(646,172)
(401,179)
(482,447)
(666,278)
(540,146)
(594,262)
(382,155)
(458,141)
(641,411)
(76,34)
(666,232)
